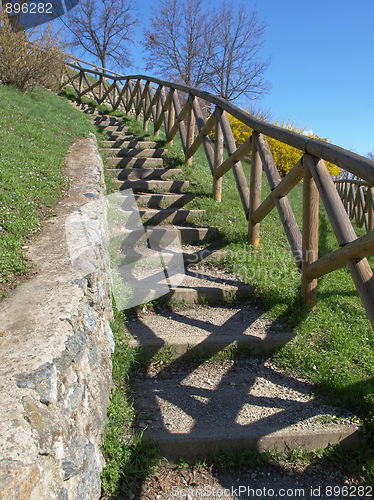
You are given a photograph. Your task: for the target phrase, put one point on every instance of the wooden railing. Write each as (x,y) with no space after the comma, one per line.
(178,108)
(358,200)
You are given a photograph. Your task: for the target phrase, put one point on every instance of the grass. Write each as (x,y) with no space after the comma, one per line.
(129,458)
(36,130)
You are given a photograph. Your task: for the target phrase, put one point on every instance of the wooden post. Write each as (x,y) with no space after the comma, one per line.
(80,82)
(129,98)
(286,214)
(254,193)
(202,136)
(310,237)
(100,87)
(180,115)
(114,94)
(370,195)
(147,103)
(282,189)
(171,120)
(138,102)
(218,156)
(360,269)
(237,169)
(156,128)
(190,134)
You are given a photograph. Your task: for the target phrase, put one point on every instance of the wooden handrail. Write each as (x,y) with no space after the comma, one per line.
(341,198)
(352,162)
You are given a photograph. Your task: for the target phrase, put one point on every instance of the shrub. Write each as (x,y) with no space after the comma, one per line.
(285,156)
(29,59)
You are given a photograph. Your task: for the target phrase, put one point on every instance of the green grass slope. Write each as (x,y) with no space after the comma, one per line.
(36,130)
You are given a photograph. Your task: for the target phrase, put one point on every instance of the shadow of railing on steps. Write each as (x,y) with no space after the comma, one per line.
(205,412)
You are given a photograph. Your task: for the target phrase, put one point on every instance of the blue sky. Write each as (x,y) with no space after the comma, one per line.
(321,69)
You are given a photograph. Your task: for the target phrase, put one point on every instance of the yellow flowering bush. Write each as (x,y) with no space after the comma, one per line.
(285,156)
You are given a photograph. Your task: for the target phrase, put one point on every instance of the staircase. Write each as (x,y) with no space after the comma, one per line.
(217,390)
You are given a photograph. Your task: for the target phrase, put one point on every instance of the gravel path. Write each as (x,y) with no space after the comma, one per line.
(308,482)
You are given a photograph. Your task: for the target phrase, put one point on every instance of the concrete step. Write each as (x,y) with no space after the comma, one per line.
(206,330)
(136,162)
(120,136)
(187,234)
(117,128)
(153,185)
(195,235)
(137,152)
(105,120)
(163,200)
(122,143)
(170,215)
(191,258)
(144,173)
(197,407)
(85,108)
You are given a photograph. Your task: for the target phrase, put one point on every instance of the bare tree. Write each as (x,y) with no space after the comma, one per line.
(217,49)
(176,41)
(103,28)
(236,66)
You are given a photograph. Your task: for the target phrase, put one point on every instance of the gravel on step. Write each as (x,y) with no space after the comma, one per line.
(220,394)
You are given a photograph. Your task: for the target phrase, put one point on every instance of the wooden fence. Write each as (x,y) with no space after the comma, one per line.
(358,200)
(178,108)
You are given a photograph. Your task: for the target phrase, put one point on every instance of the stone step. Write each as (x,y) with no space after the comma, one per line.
(196,408)
(86,108)
(191,258)
(195,235)
(105,120)
(117,128)
(206,330)
(170,215)
(122,143)
(136,162)
(125,136)
(145,173)
(163,200)
(137,152)
(186,234)
(159,186)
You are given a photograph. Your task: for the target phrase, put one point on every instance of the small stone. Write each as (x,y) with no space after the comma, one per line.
(89,319)
(45,424)
(70,469)
(76,346)
(253,475)
(43,380)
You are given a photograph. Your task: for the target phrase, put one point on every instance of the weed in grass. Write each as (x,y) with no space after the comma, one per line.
(230,352)
(181,464)
(203,301)
(164,357)
(230,296)
(176,304)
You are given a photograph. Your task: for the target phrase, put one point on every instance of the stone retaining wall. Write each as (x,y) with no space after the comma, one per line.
(55,346)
